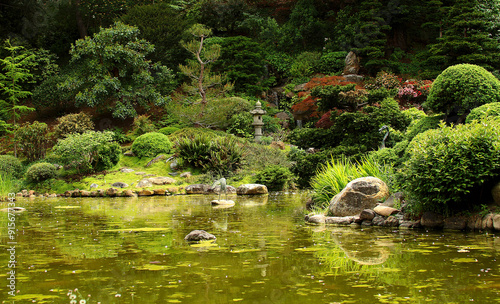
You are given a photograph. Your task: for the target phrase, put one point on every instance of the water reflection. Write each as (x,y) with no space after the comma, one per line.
(131,250)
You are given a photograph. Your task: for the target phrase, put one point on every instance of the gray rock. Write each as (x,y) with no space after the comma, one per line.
(251,189)
(354,78)
(222,203)
(173,173)
(367,214)
(455,223)
(126,170)
(229,189)
(140,173)
(143,183)
(111,192)
(378,220)
(94,185)
(395,197)
(391,221)
(186,174)
(120,185)
(129,153)
(352,64)
(199,235)
(162,180)
(475,222)
(366,223)
(315,218)
(432,220)
(361,193)
(336,220)
(487,222)
(197,189)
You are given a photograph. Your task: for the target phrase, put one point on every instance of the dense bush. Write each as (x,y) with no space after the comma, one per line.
(142,125)
(465,86)
(487,110)
(73,123)
(168,130)
(88,152)
(151,144)
(220,155)
(10,165)
(332,62)
(423,124)
(304,65)
(32,140)
(40,171)
(447,163)
(310,138)
(275,178)
(241,125)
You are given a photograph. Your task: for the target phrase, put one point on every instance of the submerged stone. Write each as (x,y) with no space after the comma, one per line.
(199,235)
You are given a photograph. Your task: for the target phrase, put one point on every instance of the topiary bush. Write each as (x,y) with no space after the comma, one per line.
(465,86)
(168,130)
(40,172)
(275,178)
(484,111)
(73,123)
(33,140)
(151,144)
(88,152)
(447,163)
(11,165)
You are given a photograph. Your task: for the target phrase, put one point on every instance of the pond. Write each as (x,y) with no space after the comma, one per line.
(132,250)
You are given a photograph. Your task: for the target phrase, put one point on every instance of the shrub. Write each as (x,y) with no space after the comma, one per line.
(332,62)
(10,165)
(168,130)
(40,171)
(304,65)
(447,163)
(191,132)
(332,178)
(73,123)
(275,178)
(385,80)
(32,139)
(151,144)
(88,152)
(220,155)
(241,125)
(142,125)
(423,124)
(484,111)
(465,86)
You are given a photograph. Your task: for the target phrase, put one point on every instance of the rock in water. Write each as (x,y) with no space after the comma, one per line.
(199,235)
(251,189)
(361,193)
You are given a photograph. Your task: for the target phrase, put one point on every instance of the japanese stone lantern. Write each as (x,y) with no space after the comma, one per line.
(257,120)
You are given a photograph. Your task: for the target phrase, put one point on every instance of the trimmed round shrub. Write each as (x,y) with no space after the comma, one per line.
(275,178)
(109,155)
(168,130)
(487,110)
(11,166)
(73,123)
(40,171)
(151,144)
(447,163)
(465,86)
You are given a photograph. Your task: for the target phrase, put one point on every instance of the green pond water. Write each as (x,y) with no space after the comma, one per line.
(132,250)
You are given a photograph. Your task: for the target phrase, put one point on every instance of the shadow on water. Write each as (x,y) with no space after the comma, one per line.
(132,250)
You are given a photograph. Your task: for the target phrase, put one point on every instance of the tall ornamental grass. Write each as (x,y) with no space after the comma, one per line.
(332,177)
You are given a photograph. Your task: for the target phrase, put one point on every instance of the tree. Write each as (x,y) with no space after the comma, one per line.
(111,69)
(198,71)
(16,72)
(470,35)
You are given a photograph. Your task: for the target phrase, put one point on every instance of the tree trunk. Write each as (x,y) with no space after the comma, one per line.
(82,29)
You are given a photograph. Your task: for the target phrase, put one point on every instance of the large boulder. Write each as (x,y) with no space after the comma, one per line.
(361,193)
(432,220)
(197,189)
(143,183)
(162,180)
(199,235)
(251,189)
(352,64)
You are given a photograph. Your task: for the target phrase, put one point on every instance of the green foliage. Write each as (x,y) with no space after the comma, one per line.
(306,138)
(142,125)
(151,144)
(385,80)
(40,172)
(73,123)
(193,132)
(332,62)
(110,69)
(332,177)
(482,112)
(241,125)
(304,65)
(50,94)
(87,152)
(276,178)
(329,96)
(242,62)
(465,86)
(447,163)
(279,64)
(8,184)
(33,140)
(11,166)
(219,155)
(168,130)
(423,124)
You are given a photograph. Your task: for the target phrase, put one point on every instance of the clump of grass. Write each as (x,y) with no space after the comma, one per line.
(332,177)
(7,184)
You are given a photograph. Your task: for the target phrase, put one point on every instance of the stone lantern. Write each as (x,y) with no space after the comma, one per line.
(257,120)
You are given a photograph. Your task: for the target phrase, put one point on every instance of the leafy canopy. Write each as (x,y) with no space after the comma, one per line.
(111,69)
